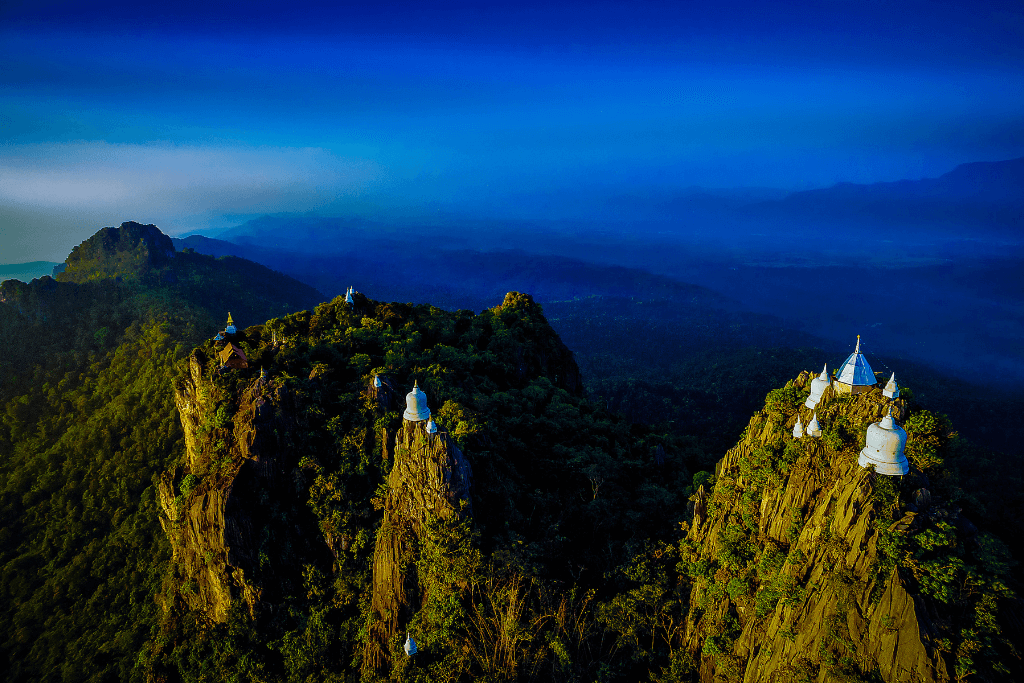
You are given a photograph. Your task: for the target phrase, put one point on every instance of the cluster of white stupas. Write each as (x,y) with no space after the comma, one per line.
(416,409)
(886,440)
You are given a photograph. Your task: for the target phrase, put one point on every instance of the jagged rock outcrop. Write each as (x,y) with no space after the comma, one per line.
(790,580)
(534,351)
(128,251)
(384,395)
(232,461)
(430,480)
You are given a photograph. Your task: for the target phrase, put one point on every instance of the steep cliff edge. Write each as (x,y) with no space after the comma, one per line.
(807,567)
(234,457)
(428,489)
(261,476)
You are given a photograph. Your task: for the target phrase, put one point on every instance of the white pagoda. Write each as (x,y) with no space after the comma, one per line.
(416,409)
(891,390)
(813,428)
(885,443)
(818,386)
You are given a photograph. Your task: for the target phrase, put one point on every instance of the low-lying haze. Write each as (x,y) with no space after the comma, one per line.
(191,119)
(676,139)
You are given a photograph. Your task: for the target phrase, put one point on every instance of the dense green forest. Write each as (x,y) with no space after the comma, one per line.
(88,420)
(699,372)
(564,494)
(573,564)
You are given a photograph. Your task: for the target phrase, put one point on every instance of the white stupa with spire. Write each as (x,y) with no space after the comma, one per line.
(884,448)
(416,409)
(855,375)
(813,428)
(431,426)
(376,382)
(230,329)
(348,295)
(410,646)
(818,386)
(798,428)
(891,390)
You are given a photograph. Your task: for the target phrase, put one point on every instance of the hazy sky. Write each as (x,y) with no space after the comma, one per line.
(197,117)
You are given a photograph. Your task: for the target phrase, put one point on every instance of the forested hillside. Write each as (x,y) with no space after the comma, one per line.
(88,420)
(564,495)
(567,557)
(165,517)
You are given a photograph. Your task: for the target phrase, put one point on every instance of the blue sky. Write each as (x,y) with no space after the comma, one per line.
(193,117)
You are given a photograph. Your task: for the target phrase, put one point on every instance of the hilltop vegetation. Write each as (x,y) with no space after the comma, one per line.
(804,565)
(572,563)
(563,492)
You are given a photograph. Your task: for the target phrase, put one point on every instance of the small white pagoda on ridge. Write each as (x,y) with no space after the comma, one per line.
(818,386)
(813,428)
(416,409)
(891,390)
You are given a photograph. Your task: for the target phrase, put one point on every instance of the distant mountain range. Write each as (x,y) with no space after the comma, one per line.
(387,269)
(979,195)
(26,272)
(974,201)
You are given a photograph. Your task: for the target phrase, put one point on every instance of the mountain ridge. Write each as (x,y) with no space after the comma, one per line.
(984,194)
(573,565)
(88,419)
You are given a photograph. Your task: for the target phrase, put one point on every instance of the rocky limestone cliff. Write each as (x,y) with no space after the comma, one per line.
(257,493)
(791,554)
(430,481)
(232,462)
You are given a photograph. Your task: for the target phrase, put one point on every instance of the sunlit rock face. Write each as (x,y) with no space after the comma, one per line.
(884,448)
(430,481)
(787,574)
(230,466)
